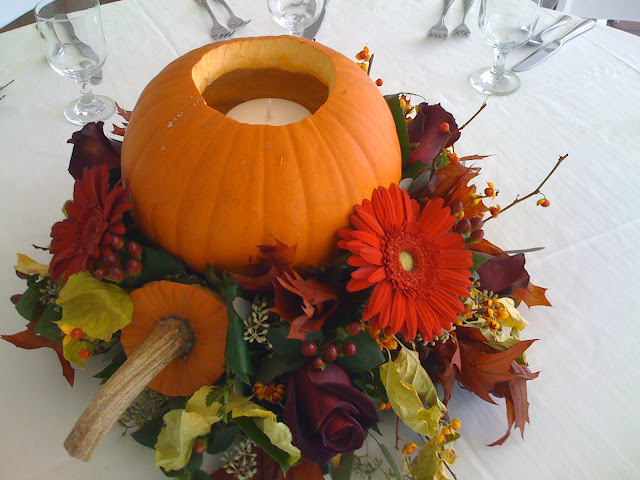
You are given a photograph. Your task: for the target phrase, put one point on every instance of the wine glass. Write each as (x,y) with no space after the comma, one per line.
(505,25)
(295,15)
(76,48)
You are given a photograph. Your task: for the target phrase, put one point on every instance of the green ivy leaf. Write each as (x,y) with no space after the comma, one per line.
(46,327)
(236,349)
(275,366)
(221,439)
(289,348)
(260,438)
(195,462)
(393,101)
(368,355)
(29,304)
(147,435)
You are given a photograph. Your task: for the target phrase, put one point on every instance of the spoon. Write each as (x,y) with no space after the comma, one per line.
(537,38)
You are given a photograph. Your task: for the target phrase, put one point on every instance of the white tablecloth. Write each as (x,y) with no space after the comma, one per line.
(583,101)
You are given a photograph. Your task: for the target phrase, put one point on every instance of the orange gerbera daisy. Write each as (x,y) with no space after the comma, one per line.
(419,266)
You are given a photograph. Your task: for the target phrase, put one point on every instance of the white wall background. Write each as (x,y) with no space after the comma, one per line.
(602,9)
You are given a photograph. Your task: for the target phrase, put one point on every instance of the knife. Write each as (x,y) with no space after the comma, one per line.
(552,47)
(311,31)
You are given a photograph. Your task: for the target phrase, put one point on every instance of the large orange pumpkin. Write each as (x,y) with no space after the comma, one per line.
(210,189)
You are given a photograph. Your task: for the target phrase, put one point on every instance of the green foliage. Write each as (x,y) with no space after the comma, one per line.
(414,170)
(260,438)
(392,463)
(236,350)
(274,366)
(157,264)
(343,472)
(147,435)
(46,327)
(29,304)
(393,101)
(368,355)
(289,348)
(478,259)
(221,438)
(119,358)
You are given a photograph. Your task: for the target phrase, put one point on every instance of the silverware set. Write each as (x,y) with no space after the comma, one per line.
(3,87)
(439,30)
(218,30)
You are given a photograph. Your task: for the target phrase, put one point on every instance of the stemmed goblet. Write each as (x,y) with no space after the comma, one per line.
(295,15)
(505,25)
(76,48)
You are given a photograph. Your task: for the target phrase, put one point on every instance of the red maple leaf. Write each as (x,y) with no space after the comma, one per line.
(29,340)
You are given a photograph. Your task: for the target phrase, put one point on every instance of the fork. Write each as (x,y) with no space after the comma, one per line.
(217,31)
(234,20)
(537,39)
(462,29)
(439,30)
(6,85)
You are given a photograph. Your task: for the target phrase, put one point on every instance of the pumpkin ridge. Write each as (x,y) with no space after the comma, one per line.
(300,241)
(218,190)
(184,236)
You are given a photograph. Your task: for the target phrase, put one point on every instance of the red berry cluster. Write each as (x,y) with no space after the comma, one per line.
(329,352)
(118,258)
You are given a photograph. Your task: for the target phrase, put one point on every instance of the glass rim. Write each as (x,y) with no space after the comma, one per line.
(91,4)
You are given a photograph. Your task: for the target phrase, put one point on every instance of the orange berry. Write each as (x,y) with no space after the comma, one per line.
(84,354)
(77,333)
(455,424)
(379,82)
(454,158)
(444,127)
(365,49)
(545,203)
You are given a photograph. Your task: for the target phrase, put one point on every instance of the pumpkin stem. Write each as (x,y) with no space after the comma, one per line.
(172,338)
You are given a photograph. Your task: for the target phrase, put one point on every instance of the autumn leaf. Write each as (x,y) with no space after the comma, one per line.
(126,114)
(473,157)
(531,295)
(515,395)
(29,339)
(304,303)
(274,260)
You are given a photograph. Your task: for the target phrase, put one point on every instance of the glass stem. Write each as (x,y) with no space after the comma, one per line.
(297,32)
(86,95)
(498,65)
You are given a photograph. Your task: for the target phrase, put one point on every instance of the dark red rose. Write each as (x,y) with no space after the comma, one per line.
(501,274)
(92,148)
(326,415)
(425,130)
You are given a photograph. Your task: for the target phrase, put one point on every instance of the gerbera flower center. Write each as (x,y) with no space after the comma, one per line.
(411,259)
(92,229)
(406,260)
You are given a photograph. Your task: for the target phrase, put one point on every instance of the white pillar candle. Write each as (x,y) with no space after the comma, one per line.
(268,111)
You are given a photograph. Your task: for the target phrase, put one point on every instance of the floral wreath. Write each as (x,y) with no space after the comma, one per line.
(311,360)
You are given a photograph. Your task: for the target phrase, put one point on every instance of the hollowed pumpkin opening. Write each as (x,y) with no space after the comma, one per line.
(284,69)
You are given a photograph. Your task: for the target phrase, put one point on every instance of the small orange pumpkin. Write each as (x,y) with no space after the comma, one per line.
(206,314)
(210,189)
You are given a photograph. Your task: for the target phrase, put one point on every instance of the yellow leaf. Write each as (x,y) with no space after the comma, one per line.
(514,320)
(175,442)
(429,464)
(100,309)
(265,420)
(28,266)
(410,371)
(71,351)
(198,404)
(407,404)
